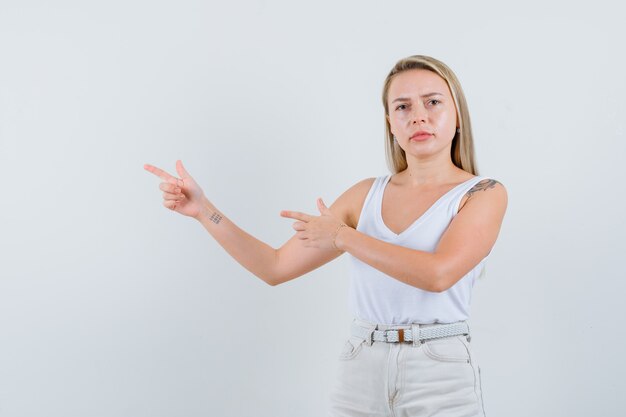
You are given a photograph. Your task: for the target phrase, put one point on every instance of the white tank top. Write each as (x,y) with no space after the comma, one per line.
(378,298)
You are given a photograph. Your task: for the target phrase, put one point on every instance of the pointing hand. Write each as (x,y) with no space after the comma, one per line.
(182,194)
(316,231)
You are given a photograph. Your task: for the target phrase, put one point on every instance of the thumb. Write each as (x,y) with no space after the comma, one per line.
(322,207)
(182,172)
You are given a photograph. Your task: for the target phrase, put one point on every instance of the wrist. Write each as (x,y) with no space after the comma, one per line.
(339,239)
(206,209)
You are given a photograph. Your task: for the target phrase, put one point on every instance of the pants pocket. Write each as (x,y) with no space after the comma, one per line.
(351,348)
(447,349)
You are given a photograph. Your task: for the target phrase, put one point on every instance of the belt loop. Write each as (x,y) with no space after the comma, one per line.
(415,334)
(369,336)
(469,335)
(365,330)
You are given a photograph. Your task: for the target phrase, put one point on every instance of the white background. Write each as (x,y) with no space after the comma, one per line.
(112,305)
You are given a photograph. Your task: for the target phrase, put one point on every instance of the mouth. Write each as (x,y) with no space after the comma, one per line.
(421,136)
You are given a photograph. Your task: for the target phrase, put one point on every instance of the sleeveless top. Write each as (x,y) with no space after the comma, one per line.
(379,298)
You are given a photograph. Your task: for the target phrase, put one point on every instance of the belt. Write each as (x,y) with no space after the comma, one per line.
(415,334)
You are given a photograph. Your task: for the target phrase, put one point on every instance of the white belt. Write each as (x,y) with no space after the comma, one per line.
(414,334)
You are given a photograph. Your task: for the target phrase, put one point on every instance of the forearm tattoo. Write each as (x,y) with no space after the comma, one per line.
(215,217)
(482,185)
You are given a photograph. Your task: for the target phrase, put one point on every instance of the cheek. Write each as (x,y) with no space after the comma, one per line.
(397,119)
(446,120)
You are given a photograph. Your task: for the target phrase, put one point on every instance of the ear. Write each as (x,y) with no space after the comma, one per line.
(387,117)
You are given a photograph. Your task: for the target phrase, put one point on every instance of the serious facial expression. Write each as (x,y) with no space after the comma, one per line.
(420,101)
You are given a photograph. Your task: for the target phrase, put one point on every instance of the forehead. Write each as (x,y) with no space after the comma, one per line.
(416,82)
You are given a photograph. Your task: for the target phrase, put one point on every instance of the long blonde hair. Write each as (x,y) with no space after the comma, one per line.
(462,149)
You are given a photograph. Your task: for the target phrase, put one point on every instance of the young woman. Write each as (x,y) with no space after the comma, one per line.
(416,241)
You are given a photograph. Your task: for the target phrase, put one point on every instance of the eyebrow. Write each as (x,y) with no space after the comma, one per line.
(424,96)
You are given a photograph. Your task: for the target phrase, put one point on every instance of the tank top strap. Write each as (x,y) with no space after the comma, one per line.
(369,204)
(464,189)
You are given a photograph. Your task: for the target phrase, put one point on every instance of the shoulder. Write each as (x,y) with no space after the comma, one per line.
(488,184)
(362,186)
(348,205)
(487,191)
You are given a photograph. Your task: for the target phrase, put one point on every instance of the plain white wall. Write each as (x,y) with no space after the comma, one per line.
(112,305)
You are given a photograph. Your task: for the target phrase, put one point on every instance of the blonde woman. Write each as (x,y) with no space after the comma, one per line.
(416,240)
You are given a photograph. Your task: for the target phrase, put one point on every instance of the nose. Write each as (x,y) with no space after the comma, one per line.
(418,116)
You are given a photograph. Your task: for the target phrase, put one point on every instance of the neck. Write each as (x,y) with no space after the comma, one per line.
(430,171)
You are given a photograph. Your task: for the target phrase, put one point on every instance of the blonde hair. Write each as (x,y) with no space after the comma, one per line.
(462,149)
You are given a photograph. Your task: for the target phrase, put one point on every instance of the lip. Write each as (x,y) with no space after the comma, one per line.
(421,135)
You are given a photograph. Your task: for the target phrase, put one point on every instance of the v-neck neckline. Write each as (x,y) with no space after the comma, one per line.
(420,218)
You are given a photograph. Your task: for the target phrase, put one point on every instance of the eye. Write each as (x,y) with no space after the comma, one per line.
(401,105)
(434,100)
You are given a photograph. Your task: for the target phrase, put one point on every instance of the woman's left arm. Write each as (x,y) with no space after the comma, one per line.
(467,240)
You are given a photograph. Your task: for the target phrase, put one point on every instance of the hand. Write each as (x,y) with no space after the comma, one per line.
(183,195)
(315,231)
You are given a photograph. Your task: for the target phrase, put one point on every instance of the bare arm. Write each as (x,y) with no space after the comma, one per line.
(293,259)
(273,266)
(468,239)
(253,254)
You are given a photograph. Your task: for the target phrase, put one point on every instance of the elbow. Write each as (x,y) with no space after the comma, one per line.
(274,279)
(440,279)
(271,277)
(433,282)
(438,288)
(268,282)
(271,281)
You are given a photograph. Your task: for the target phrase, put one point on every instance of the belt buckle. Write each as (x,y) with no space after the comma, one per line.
(386,334)
(400,333)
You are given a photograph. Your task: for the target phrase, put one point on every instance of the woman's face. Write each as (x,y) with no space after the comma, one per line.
(420,100)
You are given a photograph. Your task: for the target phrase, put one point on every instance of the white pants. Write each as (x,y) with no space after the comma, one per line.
(439,378)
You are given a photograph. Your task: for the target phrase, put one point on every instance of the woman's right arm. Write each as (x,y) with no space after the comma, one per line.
(273,266)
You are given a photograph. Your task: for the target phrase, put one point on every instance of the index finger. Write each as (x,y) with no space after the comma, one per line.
(295,215)
(158,172)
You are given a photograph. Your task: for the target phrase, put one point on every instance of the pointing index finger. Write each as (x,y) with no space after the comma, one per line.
(295,215)
(158,172)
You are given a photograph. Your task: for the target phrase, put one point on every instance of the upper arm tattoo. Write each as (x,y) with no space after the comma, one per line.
(482,185)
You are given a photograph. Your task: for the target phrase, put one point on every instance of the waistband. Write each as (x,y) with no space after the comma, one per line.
(415,333)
